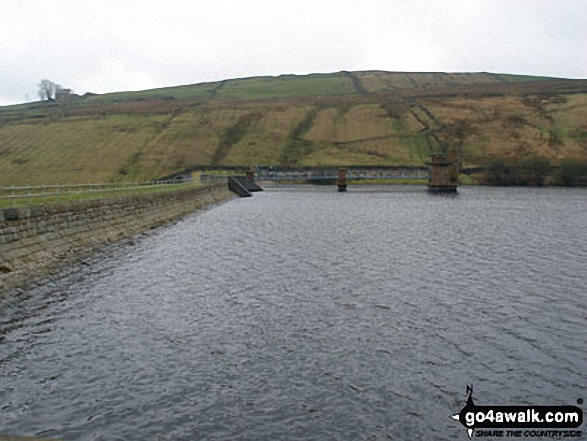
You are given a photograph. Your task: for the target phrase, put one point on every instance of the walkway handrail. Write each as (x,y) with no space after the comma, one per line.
(77,191)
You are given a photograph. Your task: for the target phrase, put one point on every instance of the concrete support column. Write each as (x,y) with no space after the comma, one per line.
(342,180)
(444,174)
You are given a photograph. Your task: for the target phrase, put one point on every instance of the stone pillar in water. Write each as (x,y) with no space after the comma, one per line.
(444,172)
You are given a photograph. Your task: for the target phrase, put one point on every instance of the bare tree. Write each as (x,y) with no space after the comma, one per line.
(47,89)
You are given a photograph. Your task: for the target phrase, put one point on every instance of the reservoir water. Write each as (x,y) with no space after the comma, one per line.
(304,313)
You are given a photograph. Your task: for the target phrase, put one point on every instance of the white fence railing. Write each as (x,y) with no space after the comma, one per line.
(29,195)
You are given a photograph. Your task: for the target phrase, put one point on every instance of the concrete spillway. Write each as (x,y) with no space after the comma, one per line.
(242,186)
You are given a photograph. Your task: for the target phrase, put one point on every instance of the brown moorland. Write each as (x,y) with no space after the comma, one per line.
(346,118)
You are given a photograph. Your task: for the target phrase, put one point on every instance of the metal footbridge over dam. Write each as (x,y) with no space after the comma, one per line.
(441,175)
(333,175)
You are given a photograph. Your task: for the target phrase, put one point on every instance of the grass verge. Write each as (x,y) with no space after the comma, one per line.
(73,195)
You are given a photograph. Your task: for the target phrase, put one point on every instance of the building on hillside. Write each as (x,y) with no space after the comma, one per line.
(66,96)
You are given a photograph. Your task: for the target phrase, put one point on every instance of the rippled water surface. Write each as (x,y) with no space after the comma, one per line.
(308,314)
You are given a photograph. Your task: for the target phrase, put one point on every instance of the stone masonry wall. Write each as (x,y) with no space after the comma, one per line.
(44,239)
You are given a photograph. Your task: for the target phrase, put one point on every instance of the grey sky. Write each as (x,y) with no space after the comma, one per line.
(103,45)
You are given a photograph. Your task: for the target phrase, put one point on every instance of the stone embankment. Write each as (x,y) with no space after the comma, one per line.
(38,241)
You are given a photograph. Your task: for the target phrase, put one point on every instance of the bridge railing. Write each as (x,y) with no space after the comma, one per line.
(389,174)
(327,174)
(204,178)
(296,176)
(395,173)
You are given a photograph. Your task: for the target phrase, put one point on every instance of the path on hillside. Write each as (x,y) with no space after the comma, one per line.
(297,146)
(375,138)
(134,159)
(431,126)
(233,134)
(215,90)
(356,83)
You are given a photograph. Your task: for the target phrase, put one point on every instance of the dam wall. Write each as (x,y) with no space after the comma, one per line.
(38,241)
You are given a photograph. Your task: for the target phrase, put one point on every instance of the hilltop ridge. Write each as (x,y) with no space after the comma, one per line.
(343,118)
(338,83)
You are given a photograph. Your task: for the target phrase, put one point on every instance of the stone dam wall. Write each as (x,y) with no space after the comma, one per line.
(38,241)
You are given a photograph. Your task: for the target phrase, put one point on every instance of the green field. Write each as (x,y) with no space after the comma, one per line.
(166,94)
(246,88)
(340,119)
(287,86)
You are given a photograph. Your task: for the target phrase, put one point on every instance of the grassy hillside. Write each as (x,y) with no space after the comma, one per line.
(346,118)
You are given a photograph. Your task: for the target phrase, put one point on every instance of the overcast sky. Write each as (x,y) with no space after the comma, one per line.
(103,45)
